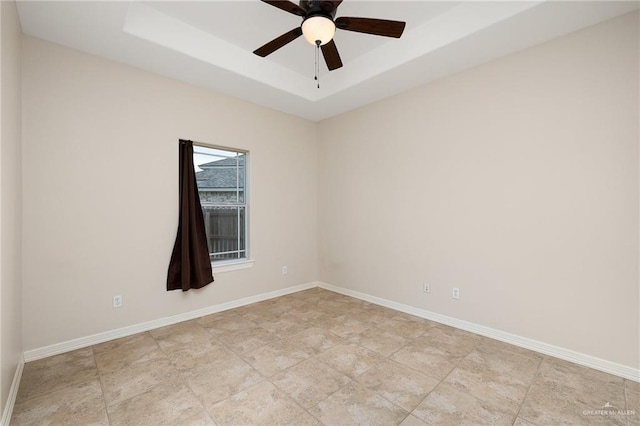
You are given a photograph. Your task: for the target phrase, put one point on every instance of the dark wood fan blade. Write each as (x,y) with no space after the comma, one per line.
(277,43)
(331,55)
(381,27)
(287,6)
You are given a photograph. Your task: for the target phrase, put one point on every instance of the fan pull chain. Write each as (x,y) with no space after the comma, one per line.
(317,77)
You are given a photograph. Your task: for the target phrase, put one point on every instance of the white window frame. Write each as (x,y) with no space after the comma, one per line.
(226,265)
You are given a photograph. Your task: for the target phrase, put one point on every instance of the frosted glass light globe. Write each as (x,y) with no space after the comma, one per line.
(318,28)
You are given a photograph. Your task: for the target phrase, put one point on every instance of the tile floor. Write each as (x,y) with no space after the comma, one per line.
(316,357)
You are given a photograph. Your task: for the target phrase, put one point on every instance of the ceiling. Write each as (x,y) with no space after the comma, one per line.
(210,43)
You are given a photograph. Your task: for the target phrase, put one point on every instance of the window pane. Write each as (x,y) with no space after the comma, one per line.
(241,177)
(220,176)
(225,228)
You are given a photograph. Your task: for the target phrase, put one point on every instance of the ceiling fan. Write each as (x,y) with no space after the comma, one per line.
(319,26)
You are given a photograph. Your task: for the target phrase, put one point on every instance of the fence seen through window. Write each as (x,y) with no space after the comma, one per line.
(220,176)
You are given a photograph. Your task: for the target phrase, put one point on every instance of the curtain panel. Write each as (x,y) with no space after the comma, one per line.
(190,266)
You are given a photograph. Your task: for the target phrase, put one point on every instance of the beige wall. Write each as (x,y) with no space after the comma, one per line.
(516,181)
(101,193)
(11,197)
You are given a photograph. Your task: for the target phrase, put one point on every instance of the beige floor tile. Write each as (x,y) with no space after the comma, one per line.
(258,316)
(402,316)
(254,307)
(201,419)
(632,390)
(214,383)
(314,315)
(295,304)
(447,405)
(380,310)
(426,359)
(275,357)
(120,353)
(522,422)
(168,403)
(383,342)
(198,354)
(57,372)
(276,309)
(347,327)
(291,300)
(135,379)
(451,340)
(82,356)
(549,403)
(80,404)
(267,309)
(356,405)
(354,311)
(351,359)
(299,307)
(327,320)
(310,382)
(408,329)
(316,340)
(250,339)
(522,366)
(285,325)
(185,328)
(401,385)
(488,345)
(133,340)
(306,419)
(374,315)
(581,384)
(311,303)
(226,323)
(487,385)
(337,305)
(412,420)
(262,404)
(566,393)
(176,337)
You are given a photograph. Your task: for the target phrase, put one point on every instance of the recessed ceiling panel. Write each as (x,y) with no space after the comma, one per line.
(210,43)
(250,24)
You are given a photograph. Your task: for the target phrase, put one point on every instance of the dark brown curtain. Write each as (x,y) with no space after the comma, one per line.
(190,266)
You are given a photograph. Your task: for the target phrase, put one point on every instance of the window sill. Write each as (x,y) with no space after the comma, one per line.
(233,265)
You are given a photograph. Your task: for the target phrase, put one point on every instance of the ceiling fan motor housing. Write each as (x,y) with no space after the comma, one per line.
(318,8)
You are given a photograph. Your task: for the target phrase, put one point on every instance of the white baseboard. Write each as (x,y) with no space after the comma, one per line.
(13,393)
(523,342)
(83,342)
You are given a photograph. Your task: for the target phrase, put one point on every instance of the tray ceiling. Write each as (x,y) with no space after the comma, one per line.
(210,43)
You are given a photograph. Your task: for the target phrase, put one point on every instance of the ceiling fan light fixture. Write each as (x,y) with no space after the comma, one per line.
(318,27)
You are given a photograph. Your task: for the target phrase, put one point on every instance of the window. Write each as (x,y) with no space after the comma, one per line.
(221,177)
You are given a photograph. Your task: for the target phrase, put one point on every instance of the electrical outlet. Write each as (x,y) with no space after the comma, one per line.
(456,293)
(285,270)
(426,287)
(117,301)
